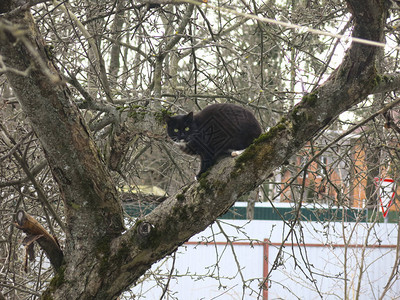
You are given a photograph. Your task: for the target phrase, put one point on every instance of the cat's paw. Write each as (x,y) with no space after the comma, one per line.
(236,153)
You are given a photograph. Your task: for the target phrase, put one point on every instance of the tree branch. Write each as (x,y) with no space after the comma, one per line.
(386,83)
(41,194)
(93,213)
(89,194)
(168,47)
(47,242)
(218,189)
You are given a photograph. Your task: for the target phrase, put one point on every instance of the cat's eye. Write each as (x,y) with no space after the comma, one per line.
(187,128)
(176,130)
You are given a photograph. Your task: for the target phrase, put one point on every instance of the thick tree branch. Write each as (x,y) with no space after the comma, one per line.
(386,83)
(91,204)
(5,6)
(167,226)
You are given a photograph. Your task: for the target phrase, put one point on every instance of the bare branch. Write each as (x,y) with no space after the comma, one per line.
(386,83)
(49,244)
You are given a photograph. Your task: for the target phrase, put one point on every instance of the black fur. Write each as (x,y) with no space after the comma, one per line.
(215,131)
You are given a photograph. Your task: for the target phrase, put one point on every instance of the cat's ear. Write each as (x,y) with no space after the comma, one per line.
(190,116)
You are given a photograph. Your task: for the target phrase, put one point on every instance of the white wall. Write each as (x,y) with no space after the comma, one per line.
(312,270)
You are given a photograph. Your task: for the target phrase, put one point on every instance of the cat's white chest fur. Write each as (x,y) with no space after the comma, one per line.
(180,143)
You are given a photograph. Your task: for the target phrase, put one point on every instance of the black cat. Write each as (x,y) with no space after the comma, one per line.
(215,131)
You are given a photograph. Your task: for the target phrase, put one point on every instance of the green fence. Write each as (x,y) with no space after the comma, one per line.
(287,212)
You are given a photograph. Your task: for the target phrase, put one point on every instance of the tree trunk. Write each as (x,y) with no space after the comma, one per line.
(92,210)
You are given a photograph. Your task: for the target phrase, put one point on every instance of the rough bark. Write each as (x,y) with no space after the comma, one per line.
(99,260)
(92,210)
